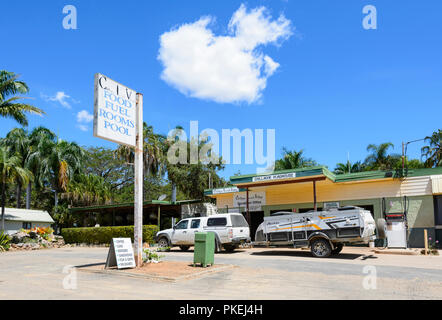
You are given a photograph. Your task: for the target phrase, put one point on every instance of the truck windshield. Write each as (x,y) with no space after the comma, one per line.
(238,221)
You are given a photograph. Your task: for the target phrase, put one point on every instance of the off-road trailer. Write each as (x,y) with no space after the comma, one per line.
(325,232)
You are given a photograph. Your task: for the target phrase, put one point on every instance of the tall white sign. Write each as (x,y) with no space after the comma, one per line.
(114,111)
(118,117)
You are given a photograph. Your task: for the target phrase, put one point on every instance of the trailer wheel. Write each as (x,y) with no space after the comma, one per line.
(321,248)
(381,227)
(338,248)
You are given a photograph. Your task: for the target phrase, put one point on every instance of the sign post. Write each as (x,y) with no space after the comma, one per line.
(138,204)
(118,117)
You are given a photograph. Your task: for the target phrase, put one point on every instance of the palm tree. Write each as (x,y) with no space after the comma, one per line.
(10,171)
(88,189)
(11,107)
(18,142)
(348,167)
(293,160)
(36,154)
(433,152)
(153,152)
(60,161)
(379,159)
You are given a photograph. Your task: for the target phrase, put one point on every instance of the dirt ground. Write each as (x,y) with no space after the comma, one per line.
(171,269)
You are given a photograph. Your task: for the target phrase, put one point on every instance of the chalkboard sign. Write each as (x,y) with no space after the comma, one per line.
(121,254)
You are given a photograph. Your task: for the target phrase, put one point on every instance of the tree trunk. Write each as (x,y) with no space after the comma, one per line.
(3,205)
(56,198)
(28,195)
(19,195)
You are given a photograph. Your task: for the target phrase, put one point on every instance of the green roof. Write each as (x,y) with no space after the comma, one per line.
(300,172)
(131,204)
(348,177)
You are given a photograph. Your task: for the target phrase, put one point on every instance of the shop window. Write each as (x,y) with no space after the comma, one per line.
(27,225)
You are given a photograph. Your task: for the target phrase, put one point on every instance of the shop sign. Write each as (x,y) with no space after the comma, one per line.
(256,200)
(274,177)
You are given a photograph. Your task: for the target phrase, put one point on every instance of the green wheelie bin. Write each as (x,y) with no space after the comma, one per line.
(204,251)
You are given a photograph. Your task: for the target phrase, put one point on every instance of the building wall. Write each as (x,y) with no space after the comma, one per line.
(15,226)
(419,191)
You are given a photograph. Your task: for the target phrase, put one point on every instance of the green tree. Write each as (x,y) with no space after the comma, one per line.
(18,142)
(88,189)
(10,105)
(433,151)
(10,171)
(60,161)
(379,159)
(349,167)
(154,161)
(293,159)
(36,153)
(192,177)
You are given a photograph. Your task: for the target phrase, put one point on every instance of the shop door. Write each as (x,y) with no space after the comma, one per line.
(256,218)
(438,219)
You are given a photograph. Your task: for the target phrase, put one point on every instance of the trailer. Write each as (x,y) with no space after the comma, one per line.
(325,232)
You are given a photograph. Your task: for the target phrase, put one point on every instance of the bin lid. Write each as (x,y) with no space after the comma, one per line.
(200,236)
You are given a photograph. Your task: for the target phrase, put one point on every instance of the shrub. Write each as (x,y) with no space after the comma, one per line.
(4,242)
(104,235)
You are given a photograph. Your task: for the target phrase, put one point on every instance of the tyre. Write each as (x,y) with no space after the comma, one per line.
(163,242)
(321,248)
(217,246)
(184,248)
(229,248)
(338,248)
(381,227)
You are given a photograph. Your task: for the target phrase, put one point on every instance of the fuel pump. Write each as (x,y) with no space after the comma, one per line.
(397,225)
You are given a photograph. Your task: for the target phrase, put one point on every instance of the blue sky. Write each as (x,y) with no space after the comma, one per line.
(338,86)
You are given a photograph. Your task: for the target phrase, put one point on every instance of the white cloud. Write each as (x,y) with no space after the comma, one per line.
(84,116)
(224,68)
(83,127)
(59,97)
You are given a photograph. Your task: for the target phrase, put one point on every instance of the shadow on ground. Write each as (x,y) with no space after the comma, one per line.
(222,252)
(307,254)
(91,265)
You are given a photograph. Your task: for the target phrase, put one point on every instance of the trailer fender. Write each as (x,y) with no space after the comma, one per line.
(315,235)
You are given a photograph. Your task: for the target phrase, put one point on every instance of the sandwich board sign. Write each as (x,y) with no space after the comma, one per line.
(114,111)
(121,254)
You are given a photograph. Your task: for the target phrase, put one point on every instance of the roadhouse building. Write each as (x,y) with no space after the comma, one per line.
(410,201)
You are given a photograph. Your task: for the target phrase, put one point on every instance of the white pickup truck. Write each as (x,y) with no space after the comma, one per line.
(325,232)
(231,229)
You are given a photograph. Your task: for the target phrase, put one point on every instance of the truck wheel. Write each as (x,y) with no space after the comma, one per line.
(217,246)
(184,248)
(338,248)
(321,248)
(229,248)
(163,242)
(381,227)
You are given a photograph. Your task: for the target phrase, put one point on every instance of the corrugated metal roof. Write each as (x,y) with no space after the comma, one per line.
(13,214)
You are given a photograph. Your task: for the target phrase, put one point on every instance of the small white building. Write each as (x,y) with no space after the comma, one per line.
(16,219)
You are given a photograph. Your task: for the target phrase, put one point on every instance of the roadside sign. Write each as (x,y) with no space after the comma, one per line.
(114,111)
(121,254)
(118,117)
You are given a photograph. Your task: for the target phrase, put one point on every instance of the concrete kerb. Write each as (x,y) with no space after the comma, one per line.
(156,277)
